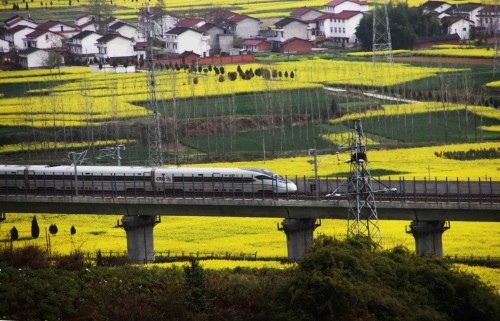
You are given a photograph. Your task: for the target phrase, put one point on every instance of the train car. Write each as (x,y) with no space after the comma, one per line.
(213,179)
(140,180)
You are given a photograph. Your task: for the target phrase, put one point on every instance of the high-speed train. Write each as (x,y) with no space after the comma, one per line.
(135,179)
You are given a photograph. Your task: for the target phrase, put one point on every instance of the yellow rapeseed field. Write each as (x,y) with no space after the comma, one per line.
(77,97)
(415,162)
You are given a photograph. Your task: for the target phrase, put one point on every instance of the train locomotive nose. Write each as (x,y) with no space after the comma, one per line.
(291,187)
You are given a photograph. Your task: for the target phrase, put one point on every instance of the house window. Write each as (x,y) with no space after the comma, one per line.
(335,29)
(46,37)
(465,29)
(343,30)
(331,29)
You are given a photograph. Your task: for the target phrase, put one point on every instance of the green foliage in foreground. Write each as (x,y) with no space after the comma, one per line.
(336,280)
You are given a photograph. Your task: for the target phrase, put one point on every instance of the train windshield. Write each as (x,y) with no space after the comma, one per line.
(264,171)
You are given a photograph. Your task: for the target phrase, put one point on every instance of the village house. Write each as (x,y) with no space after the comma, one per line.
(61,28)
(305,14)
(337,6)
(43,39)
(459,26)
(257,45)
(295,46)
(220,40)
(115,46)
(15,36)
(182,39)
(242,26)
(488,20)
(468,11)
(83,45)
(19,21)
(124,29)
(435,7)
(289,28)
(33,58)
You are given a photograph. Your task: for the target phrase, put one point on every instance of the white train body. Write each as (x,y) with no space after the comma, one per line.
(138,179)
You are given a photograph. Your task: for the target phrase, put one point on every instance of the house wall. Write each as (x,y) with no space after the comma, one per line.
(226,42)
(296,47)
(346,6)
(128,31)
(34,60)
(291,30)
(48,40)
(120,47)
(247,28)
(311,15)
(17,39)
(213,41)
(462,28)
(189,41)
(4,45)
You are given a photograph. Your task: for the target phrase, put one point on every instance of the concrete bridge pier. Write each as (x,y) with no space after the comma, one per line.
(140,243)
(428,237)
(299,235)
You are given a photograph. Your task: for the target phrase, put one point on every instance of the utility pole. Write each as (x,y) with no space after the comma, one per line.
(77,158)
(154,129)
(312,151)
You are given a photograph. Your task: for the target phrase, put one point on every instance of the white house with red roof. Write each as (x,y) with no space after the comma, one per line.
(124,29)
(61,28)
(43,39)
(489,19)
(341,27)
(288,28)
(115,46)
(337,6)
(242,26)
(15,36)
(33,58)
(84,19)
(459,26)
(19,21)
(182,39)
(305,13)
(257,45)
(83,45)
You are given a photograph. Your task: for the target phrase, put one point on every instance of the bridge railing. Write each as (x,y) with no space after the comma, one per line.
(400,189)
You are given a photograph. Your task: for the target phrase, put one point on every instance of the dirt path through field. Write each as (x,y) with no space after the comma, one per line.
(447,60)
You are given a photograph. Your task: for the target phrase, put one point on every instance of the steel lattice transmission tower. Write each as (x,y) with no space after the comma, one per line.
(496,32)
(154,128)
(362,218)
(381,40)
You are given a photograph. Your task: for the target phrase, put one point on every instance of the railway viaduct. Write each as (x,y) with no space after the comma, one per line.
(428,204)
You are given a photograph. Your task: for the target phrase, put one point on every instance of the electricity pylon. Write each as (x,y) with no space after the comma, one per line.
(154,129)
(381,40)
(362,218)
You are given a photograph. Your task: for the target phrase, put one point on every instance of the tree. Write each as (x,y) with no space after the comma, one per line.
(14,234)
(35,229)
(72,230)
(197,285)
(406,23)
(53,229)
(102,9)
